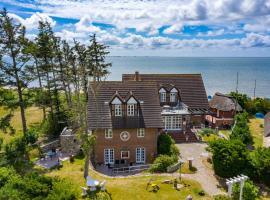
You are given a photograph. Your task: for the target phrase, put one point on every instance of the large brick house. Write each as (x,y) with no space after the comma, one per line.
(127,116)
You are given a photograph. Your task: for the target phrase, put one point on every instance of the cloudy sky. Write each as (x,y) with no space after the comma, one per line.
(155,27)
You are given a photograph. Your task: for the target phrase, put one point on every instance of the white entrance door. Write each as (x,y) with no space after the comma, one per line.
(140,155)
(108,156)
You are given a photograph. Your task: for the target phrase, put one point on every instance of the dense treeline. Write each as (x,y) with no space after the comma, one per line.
(252,106)
(234,156)
(61,72)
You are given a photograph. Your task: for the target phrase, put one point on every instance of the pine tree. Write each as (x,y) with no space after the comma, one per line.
(44,52)
(97,70)
(13,60)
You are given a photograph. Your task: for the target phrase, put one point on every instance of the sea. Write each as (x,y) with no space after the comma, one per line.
(219,74)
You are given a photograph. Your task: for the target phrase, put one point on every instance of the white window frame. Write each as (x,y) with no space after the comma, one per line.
(162,97)
(118,110)
(140,155)
(140,132)
(130,109)
(173,122)
(122,155)
(108,133)
(109,156)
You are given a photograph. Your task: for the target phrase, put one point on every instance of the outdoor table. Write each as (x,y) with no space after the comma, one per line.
(91,182)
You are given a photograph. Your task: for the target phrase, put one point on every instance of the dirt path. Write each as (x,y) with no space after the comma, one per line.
(204,175)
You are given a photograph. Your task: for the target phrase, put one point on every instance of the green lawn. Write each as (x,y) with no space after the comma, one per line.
(133,188)
(185,169)
(226,133)
(33,116)
(209,138)
(256,129)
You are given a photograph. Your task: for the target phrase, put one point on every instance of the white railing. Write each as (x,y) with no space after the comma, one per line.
(130,169)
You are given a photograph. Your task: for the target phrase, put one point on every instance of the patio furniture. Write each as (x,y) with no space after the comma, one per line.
(84,191)
(91,183)
(102,186)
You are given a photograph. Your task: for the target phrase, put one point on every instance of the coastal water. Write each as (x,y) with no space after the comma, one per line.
(219,74)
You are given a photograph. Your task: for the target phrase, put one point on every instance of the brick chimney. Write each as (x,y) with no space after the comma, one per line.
(137,76)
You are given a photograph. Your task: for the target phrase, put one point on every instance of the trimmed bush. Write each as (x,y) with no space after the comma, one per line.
(260,160)
(162,162)
(166,145)
(230,158)
(241,130)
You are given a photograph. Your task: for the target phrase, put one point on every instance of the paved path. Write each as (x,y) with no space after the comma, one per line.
(204,175)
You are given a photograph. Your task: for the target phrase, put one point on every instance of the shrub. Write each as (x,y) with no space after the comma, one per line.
(34,186)
(5,175)
(62,190)
(230,158)
(222,197)
(166,145)
(162,162)
(201,193)
(241,129)
(261,162)
(250,191)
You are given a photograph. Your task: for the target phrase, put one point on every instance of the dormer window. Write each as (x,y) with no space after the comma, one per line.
(118,110)
(117,107)
(162,95)
(131,106)
(173,95)
(130,109)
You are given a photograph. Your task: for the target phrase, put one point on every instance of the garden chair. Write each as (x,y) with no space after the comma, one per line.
(102,186)
(93,189)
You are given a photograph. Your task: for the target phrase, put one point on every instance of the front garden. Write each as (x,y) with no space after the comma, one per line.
(133,187)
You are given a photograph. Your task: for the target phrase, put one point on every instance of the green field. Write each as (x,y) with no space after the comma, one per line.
(256,130)
(33,116)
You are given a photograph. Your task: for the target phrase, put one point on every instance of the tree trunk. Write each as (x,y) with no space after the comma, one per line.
(86,164)
(21,103)
(49,91)
(40,87)
(20,95)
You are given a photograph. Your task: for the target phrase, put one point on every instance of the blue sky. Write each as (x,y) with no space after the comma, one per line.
(155,27)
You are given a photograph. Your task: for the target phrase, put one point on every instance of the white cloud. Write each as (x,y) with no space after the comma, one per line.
(32,22)
(212,33)
(249,18)
(86,25)
(174,29)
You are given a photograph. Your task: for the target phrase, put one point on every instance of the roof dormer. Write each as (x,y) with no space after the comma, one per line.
(162,90)
(173,95)
(116,100)
(162,95)
(132,100)
(174,90)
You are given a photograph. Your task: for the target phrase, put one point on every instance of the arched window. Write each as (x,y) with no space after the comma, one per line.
(173,95)
(162,95)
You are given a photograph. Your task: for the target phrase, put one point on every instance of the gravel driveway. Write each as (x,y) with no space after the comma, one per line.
(204,175)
